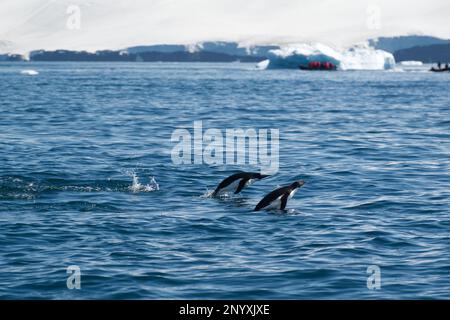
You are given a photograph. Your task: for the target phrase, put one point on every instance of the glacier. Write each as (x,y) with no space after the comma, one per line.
(361,57)
(412,63)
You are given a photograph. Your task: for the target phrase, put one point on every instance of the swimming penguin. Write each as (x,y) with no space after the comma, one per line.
(278,198)
(236,182)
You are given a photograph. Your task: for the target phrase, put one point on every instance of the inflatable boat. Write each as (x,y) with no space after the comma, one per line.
(440,70)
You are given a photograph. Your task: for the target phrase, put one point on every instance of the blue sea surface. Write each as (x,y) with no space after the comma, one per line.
(87,180)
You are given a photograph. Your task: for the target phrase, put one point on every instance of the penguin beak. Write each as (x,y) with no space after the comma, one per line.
(264,176)
(301,183)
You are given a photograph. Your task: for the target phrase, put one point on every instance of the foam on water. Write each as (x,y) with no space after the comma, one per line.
(12,187)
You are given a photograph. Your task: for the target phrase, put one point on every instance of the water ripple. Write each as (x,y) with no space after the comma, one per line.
(86,179)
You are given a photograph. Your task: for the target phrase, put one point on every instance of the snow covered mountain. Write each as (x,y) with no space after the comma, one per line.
(200,52)
(393,44)
(93,25)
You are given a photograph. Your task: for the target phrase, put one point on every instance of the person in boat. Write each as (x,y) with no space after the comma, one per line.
(313,65)
(439,69)
(317,65)
(328,66)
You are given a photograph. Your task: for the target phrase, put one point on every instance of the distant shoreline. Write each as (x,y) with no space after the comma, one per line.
(117,56)
(405,48)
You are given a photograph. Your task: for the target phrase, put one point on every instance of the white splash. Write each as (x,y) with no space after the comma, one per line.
(208,194)
(224,194)
(361,57)
(136,186)
(29,72)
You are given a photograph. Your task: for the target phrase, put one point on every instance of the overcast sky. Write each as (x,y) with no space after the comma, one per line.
(99,24)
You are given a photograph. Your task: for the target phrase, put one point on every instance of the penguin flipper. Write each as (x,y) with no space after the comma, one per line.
(284,200)
(229,180)
(241,185)
(258,206)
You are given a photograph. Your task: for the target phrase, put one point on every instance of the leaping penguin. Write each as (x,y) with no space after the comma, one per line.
(236,182)
(278,198)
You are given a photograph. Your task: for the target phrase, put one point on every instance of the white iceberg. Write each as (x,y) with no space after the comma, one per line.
(360,57)
(29,72)
(411,63)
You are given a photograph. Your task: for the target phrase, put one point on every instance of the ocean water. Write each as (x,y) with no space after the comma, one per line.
(87,180)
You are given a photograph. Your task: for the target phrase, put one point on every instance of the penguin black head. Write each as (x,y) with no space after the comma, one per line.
(297,184)
(260,176)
